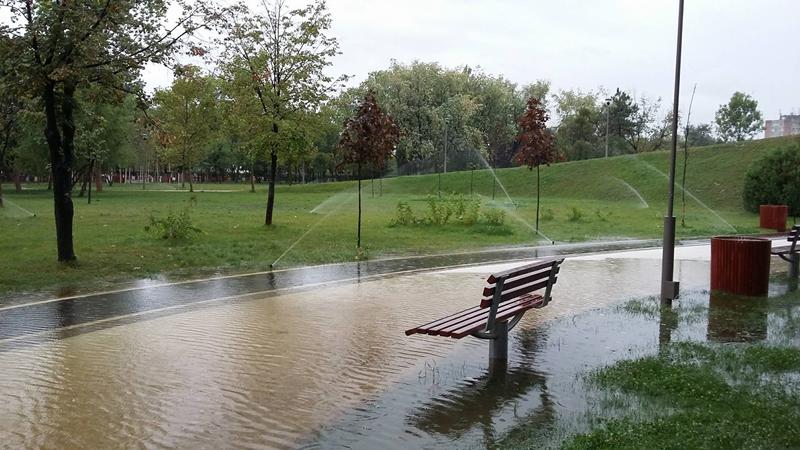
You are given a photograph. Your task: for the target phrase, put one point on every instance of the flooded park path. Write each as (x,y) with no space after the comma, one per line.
(313,357)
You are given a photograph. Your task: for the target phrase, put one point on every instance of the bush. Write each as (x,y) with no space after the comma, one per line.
(547,214)
(173,226)
(574,214)
(440,210)
(774,180)
(404,215)
(495,217)
(471,213)
(602,216)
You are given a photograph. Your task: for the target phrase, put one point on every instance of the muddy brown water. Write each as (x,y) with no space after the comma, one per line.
(324,367)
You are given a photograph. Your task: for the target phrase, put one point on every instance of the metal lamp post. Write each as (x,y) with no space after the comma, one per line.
(608,112)
(670,287)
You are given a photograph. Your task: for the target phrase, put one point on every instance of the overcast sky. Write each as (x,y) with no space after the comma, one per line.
(729,45)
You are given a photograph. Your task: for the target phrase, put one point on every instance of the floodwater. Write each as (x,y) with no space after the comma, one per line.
(308,359)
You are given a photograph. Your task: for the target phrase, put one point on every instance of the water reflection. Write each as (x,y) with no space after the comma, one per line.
(737,319)
(329,366)
(493,397)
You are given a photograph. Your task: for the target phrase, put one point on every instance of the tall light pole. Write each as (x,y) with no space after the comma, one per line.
(669,287)
(608,111)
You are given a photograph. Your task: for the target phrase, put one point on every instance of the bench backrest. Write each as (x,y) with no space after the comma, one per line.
(794,233)
(520,281)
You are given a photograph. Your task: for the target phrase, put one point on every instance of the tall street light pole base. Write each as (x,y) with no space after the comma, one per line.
(670,288)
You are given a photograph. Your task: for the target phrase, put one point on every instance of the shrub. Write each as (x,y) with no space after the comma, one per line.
(173,226)
(602,216)
(495,217)
(774,179)
(440,210)
(574,214)
(472,212)
(547,214)
(404,215)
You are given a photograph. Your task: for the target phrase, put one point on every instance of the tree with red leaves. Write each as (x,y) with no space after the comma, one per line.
(535,143)
(369,137)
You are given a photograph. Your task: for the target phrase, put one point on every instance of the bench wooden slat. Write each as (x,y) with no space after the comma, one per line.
(460,314)
(511,284)
(508,295)
(502,316)
(781,250)
(465,318)
(480,322)
(478,319)
(523,269)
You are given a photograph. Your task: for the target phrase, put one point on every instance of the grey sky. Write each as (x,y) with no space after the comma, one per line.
(729,45)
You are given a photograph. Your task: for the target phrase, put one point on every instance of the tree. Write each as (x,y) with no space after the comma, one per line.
(10,118)
(700,135)
(774,180)
(284,54)
(577,136)
(535,143)
(186,115)
(57,48)
(369,137)
(739,119)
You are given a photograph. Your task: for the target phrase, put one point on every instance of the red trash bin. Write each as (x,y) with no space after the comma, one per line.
(740,265)
(773,216)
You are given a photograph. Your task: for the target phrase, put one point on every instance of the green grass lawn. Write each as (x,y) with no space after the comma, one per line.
(621,197)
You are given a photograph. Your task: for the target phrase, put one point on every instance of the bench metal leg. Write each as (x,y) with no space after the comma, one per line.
(498,347)
(794,265)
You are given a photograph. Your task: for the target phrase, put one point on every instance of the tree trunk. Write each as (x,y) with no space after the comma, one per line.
(83,186)
(98,178)
(89,179)
(273,173)
(17,182)
(252,179)
(538,184)
(191,181)
(1,192)
(358,239)
(61,154)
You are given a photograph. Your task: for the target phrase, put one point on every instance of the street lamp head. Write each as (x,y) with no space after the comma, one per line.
(608,102)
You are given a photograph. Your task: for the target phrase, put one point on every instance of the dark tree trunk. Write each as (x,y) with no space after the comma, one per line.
(89,179)
(61,146)
(83,186)
(273,173)
(538,185)
(1,192)
(17,182)
(358,239)
(191,181)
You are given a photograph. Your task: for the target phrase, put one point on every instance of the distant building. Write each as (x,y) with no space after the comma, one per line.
(787,125)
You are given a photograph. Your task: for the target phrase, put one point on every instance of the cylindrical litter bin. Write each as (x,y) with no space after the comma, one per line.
(773,217)
(740,265)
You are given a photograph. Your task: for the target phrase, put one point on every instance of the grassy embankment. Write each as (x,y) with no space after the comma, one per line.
(732,391)
(584,200)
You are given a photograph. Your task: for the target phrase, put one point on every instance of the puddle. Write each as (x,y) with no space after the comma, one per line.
(325,367)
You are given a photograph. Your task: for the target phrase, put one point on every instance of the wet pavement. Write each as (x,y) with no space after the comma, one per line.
(315,357)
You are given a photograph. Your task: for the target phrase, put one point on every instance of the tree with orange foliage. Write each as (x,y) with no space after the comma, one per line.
(369,137)
(535,143)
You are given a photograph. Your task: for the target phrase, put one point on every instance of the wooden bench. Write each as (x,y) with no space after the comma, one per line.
(507,297)
(790,253)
